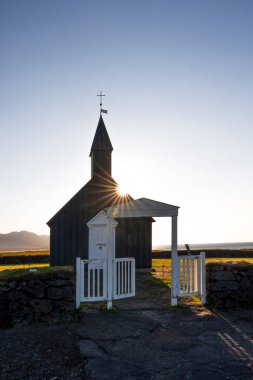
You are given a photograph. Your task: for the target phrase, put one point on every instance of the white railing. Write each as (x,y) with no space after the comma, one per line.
(94,284)
(192,281)
(124,278)
(91,284)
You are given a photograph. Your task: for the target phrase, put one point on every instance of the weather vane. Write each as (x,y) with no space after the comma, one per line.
(101,98)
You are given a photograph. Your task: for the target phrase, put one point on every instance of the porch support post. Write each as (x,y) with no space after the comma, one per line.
(203,277)
(111,226)
(174,262)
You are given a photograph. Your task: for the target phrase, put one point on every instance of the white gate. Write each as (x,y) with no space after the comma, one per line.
(91,280)
(124,278)
(192,281)
(94,284)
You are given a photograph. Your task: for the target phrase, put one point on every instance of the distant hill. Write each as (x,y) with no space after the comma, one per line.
(23,240)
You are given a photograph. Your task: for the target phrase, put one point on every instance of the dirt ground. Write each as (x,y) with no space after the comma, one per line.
(142,338)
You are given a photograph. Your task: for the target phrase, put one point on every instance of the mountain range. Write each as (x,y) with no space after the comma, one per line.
(23,240)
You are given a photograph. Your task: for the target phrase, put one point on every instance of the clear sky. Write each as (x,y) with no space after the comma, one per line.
(179,87)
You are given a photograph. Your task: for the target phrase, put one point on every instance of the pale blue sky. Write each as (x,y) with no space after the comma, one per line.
(178,82)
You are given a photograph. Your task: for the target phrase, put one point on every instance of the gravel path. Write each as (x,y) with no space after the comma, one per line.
(41,353)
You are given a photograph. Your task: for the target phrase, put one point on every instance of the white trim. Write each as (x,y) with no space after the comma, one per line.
(142,207)
(100,220)
(175,273)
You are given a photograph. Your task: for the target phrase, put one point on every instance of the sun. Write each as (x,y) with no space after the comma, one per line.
(122,190)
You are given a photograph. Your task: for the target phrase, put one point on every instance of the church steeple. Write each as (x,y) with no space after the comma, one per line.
(100,152)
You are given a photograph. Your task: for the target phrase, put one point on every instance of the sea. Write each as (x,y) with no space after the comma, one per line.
(243,245)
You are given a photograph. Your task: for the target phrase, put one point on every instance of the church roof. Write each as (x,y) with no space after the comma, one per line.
(101,139)
(142,207)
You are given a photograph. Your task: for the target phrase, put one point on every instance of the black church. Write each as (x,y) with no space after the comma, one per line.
(68,229)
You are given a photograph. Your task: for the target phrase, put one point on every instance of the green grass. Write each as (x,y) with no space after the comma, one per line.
(23,253)
(165,264)
(229,259)
(22,266)
(161,276)
(18,254)
(16,273)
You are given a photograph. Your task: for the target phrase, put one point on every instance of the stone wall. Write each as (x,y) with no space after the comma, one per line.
(230,285)
(45,296)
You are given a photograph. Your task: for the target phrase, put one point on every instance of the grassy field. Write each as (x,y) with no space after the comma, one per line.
(162,266)
(159,263)
(23,253)
(22,266)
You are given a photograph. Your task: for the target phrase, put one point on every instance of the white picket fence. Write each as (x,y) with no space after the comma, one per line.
(107,280)
(192,279)
(124,278)
(92,280)
(94,284)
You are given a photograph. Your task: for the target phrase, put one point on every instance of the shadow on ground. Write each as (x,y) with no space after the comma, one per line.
(142,338)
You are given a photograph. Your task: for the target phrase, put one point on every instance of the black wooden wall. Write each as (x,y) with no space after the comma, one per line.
(69,232)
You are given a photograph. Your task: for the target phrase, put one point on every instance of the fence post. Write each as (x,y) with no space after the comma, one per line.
(203,277)
(133,277)
(110,260)
(175,263)
(78,281)
(109,283)
(199,276)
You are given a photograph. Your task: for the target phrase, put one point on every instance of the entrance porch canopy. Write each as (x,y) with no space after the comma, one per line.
(144,207)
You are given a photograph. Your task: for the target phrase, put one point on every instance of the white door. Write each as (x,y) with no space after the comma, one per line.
(98,243)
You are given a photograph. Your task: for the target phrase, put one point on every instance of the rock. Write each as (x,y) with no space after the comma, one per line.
(165,339)
(57,282)
(89,349)
(222,276)
(12,284)
(203,354)
(250,275)
(17,299)
(68,275)
(209,337)
(42,306)
(56,293)
(4,287)
(230,303)
(53,317)
(221,294)
(29,299)
(21,285)
(65,304)
(5,313)
(113,369)
(216,301)
(36,288)
(246,284)
(114,326)
(213,267)
(223,285)
(231,287)
(22,317)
